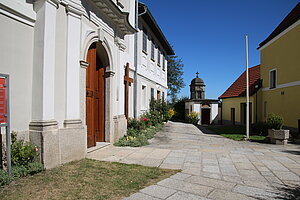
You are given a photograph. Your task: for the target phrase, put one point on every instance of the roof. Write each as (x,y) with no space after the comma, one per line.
(290,19)
(197,80)
(238,88)
(149,19)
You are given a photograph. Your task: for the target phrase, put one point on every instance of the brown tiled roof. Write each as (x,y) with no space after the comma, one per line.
(238,88)
(290,19)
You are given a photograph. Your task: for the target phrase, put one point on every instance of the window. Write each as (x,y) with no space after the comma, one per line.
(265,109)
(158,95)
(158,56)
(273,78)
(232,111)
(163,96)
(144,97)
(145,40)
(152,50)
(152,93)
(164,63)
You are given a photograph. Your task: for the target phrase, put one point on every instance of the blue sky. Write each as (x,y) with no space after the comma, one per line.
(209,35)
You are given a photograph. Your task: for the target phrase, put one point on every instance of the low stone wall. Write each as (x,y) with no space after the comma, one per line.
(120,127)
(58,146)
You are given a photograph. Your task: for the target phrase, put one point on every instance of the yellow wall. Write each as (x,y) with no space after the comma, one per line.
(284,55)
(235,102)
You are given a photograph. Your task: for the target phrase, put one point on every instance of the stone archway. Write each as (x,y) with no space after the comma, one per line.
(95,94)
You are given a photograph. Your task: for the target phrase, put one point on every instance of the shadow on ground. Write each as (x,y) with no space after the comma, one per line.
(292,152)
(289,193)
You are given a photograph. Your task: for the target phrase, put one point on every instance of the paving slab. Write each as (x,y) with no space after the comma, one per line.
(158,191)
(213,167)
(185,196)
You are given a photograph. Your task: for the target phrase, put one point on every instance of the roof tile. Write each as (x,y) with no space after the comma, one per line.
(238,88)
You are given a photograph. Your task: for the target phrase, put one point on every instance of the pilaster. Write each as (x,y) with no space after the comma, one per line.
(73,64)
(43,129)
(44,60)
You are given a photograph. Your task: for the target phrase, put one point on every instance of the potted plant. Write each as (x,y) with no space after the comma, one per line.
(276,134)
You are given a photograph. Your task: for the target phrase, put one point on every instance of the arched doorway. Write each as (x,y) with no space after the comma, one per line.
(95,94)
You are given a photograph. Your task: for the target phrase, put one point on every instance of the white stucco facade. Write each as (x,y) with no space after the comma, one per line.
(44,46)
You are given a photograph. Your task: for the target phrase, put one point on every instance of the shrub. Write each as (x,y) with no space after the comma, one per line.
(34,168)
(132,141)
(260,128)
(19,171)
(193,117)
(23,153)
(169,114)
(5,179)
(275,122)
(179,108)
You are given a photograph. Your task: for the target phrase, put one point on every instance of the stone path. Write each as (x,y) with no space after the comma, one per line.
(213,167)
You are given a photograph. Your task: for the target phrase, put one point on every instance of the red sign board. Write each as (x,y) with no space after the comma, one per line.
(2,101)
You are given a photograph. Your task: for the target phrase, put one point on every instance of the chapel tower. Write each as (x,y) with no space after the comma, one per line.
(197,88)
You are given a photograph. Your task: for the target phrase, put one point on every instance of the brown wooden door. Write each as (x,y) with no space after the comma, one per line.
(205,116)
(95,86)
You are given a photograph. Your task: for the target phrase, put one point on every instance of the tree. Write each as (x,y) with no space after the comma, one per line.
(175,79)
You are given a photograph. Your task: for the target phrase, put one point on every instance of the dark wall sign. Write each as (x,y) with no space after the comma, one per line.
(2,101)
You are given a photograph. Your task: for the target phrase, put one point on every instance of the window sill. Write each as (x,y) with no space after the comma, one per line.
(272,88)
(144,52)
(152,60)
(158,65)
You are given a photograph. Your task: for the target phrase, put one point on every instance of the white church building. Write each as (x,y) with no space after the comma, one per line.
(207,109)
(78,69)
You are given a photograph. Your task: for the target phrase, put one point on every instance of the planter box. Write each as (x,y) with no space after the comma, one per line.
(278,136)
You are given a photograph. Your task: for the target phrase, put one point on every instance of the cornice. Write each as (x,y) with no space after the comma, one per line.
(116,15)
(120,43)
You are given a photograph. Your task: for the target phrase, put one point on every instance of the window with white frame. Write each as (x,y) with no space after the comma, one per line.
(145,40)
(152,93)
(163,96)
(152,50)
(144,97)
(158,56)
(273,78)
(164,63)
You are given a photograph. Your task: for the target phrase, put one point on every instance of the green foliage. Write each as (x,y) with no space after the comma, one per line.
(34,168)
(275,122)
(193,117)
(5,179)
(22,153)
(179,108)
(170,114)
(260,128)
(20,171)
(140,130)
(175,79)
(23,157)
(133,141)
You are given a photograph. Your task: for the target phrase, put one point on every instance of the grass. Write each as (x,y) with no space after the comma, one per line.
(85,179)
(235,133)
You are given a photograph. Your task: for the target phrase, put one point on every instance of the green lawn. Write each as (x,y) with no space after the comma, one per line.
(234,132)
(85,179)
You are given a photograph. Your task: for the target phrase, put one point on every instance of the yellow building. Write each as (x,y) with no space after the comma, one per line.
(233,110)
(280,71)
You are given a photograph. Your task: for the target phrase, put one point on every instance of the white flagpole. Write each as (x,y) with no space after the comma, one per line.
(247,88)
